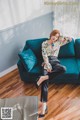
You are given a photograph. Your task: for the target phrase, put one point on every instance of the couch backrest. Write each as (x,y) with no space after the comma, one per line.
(77,47)
(35,44)
(67,50)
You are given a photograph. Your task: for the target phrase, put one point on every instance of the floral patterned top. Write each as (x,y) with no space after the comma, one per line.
(52,50)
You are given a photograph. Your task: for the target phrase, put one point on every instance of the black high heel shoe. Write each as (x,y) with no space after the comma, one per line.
(43,115)
(39,115)
(37,86)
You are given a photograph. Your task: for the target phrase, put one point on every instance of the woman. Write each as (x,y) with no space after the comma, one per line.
(51,66)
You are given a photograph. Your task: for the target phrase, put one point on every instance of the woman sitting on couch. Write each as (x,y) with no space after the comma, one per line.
(51,65)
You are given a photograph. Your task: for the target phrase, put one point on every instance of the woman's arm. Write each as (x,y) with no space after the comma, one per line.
(45,57)
(64,40)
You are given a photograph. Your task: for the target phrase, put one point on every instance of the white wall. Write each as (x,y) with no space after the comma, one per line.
(13,12)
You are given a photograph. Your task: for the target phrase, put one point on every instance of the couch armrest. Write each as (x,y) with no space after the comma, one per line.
(21,66)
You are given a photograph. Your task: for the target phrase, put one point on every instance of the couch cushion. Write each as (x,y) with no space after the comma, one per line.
(35,45)
(37,69)
(28,59)
(67,50)
(70,76)
(77,47)
(72,72)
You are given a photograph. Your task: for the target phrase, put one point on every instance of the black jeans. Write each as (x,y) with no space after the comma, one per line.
(57,69)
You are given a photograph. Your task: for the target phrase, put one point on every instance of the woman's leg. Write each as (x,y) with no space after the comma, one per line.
(42,78)
(44,93)
(57,69)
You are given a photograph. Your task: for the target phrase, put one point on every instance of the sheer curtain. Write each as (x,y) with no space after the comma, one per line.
(13,12)
(67,17)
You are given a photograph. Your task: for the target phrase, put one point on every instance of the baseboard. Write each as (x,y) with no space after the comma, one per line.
(8,70)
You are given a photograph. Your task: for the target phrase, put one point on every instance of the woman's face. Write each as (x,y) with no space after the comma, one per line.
(55,38)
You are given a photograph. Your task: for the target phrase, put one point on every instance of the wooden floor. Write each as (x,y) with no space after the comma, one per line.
(63,103)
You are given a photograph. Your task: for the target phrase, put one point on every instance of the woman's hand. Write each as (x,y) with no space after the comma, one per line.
(49,67)
(70,39)
(49,70)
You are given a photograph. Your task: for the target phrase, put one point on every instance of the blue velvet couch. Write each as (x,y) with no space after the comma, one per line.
(69,56)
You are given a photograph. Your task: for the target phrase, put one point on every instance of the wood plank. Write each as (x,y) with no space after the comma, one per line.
(63,100)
